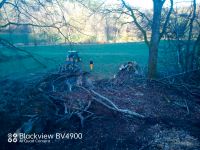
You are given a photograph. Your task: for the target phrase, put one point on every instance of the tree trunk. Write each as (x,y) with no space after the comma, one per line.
(156,35)
(155,39)
(152,64)
(196,52)
(190,54)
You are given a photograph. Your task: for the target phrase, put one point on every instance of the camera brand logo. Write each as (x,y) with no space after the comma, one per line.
(12,137)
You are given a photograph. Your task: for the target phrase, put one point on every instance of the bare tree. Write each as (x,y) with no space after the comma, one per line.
(157,31)
(183,31)
(189,60)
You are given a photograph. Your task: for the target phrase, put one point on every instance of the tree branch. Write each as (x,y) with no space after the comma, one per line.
(11,46)
(136,22)
(2,3)
(167,20)
(110,105)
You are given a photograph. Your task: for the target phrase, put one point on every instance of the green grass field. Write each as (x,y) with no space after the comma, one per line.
(107,58)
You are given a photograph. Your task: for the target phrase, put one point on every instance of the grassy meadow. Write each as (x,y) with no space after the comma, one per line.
(106,57)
